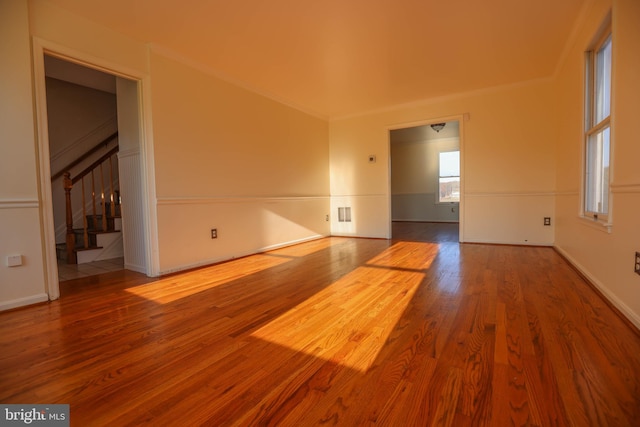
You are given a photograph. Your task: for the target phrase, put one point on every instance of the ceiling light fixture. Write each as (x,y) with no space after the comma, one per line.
(438,126)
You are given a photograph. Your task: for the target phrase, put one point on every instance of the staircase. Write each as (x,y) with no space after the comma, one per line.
(99,236)
(102,243)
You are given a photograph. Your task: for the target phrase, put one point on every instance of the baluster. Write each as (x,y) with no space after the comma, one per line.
(104,208)
(113,205)
(71,237)
(93,201)
(85,226)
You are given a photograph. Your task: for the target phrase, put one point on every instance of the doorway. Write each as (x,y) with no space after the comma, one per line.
(426,178)
(83,142)
(130,177)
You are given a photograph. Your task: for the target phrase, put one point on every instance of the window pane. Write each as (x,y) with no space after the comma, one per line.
(603,82)
(597,176)
(450,163)
(450,189)
(449,181)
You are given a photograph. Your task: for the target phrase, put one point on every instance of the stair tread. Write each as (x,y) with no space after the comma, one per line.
(103,231)
(91,231)
(88,248)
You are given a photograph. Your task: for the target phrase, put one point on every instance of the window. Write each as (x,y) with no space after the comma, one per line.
(598,130)
(449,177)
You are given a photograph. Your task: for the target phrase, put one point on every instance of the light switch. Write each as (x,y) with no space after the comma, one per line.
(14,260)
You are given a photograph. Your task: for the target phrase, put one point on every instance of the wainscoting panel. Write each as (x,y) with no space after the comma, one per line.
(370,216)
(133,223)
(20,235)
(244,225)
(509,218)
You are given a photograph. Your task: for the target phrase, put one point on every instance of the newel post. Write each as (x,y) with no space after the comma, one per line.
(71,237)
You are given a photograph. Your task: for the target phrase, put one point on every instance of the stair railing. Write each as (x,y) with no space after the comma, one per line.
(102,144)
(69,182)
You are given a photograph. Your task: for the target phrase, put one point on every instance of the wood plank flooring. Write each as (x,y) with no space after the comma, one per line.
(416,331)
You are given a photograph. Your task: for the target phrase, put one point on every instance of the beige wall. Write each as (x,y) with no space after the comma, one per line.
(508,163)
(215,139)
(69,31)
(20,231)
(606,258)
(230,159)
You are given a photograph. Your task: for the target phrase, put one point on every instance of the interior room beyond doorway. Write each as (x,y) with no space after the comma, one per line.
(425,173)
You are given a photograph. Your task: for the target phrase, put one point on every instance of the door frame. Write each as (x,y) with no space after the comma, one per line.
(461,119)
(40,47)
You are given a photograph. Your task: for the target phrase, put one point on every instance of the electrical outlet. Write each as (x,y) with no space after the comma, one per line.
(547,220)
(637,267)
(214,233)
(327,218)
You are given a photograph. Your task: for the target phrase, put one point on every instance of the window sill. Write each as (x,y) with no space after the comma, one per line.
(595,224)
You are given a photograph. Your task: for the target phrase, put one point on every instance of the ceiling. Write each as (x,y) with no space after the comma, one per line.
(340,57)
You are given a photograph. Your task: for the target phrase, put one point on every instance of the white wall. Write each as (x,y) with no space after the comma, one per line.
(415,180)
(606,258)
(507,165)
(20,231)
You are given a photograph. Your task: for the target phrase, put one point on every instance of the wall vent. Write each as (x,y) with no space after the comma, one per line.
(344,214)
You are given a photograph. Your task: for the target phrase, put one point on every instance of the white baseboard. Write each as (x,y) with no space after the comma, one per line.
(136,268)
(621,306)
(507,242)
(290,243)
(21,302)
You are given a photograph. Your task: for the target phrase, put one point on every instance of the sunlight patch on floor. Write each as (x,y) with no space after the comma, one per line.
(335,332)
(407,256)
(186,284)
(330,324)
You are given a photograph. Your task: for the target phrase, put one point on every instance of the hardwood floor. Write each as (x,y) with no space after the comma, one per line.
(78,271)
(337,331)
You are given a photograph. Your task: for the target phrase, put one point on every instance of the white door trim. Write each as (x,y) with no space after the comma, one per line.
(40,47)
(461,118)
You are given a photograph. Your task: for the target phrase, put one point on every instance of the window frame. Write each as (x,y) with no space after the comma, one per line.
(593,128)
(447,202)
